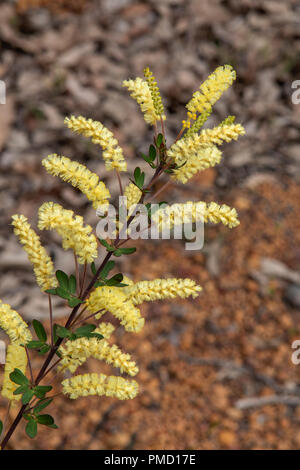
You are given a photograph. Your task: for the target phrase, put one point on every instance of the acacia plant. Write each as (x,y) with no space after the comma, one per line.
(90,291)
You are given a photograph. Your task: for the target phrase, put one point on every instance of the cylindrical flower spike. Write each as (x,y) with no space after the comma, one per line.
(16,358)
(154,90)
(76,352)
(14,325)
(100,384)
(75,235)
(223,132)
(113,300)
(80,177)
(141,93)
(37,255)
(212,89)
(112,152)
(191,160)
(133,194)
(158,289)
(188,212)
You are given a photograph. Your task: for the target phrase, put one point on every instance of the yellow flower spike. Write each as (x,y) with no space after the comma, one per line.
(154,90)
(14,325)
(189,212)
(212,89)
(16,358)
(133,194)
(194,161)
(100,384)
(37,255)
(100,135)
(80,177)
(113,300)
(140,92)
(158,289)
(75,236)
(75,353)
(223,132)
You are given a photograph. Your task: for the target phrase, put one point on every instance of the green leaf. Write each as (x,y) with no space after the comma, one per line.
(31,429)
(137,173)
(27,396)
(62,332)
(116,279)
(63,293)
(20,390)
(18,377)
(51,291)
(107,268)
(1,427)
(73,302)
(139,177)
(34,344)
(107,245)
(27,416)
(39,330)
(85,329)
(41,404)
(55,337)
(62,279)
(44,349)
(47,420)
(124,251)
(152,153)
(93,268)
(41,390)
(96,335)
(159,140)
(72,284)
(146,158)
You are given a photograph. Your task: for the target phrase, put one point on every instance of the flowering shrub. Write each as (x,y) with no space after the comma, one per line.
(84,335)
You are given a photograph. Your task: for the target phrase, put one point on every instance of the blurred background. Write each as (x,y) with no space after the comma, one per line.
(215,372)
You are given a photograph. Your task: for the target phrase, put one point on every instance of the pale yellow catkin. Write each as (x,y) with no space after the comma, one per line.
(37,255)
(76,352)
(70,227)
(192,160)
(100,135)
(188,212)
(14,325)
(80,177)
(100,384)
(133,195)
(158,289)
(211,90)
(113,300)
(16,358)
(140,92)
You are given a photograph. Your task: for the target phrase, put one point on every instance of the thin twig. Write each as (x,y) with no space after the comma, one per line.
(83,278)
(51,320)
(120,182)
(77,272)
(29,364)
(162,189)
(5,421)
